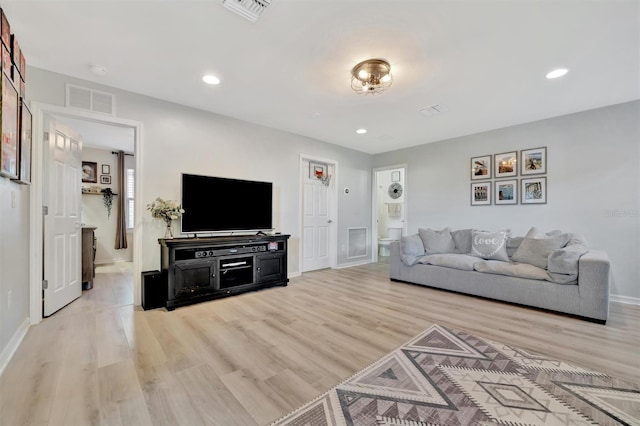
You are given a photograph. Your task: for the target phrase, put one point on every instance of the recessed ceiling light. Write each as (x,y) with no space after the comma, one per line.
(361,131)
(98,69)
(211,79)
(557,73)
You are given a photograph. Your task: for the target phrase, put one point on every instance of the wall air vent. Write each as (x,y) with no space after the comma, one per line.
(433,110)
(90,100)
(357,242)
(248,9)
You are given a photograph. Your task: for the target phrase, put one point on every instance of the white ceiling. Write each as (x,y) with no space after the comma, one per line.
(484,60)
(102,136)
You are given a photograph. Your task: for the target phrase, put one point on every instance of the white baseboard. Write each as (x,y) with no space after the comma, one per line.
(624,299)
(350,265)
(13,344)
(293,274)
(110,261)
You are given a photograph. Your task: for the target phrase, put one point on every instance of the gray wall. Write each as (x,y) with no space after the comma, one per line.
(180,139)
(593,183)
(14,258)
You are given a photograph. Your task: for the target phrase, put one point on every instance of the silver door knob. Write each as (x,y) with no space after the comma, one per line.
(329,221)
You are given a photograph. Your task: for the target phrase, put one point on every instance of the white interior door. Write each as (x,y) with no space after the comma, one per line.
(316,224)
(62,223)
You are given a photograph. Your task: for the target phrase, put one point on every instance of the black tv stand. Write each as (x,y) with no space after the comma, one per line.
(206,268)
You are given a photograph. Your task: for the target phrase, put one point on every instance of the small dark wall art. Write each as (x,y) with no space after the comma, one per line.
(89,172)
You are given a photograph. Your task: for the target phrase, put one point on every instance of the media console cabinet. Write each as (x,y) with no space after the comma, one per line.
(200,269)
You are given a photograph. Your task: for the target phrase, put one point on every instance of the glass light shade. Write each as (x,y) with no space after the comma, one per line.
(371,76)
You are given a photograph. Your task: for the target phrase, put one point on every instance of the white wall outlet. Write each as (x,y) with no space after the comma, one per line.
(9,299)
(13,199)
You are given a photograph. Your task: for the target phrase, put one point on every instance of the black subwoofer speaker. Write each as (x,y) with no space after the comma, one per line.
(154,290)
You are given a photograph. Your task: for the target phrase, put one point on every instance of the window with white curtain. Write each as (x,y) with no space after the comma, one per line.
(130,197)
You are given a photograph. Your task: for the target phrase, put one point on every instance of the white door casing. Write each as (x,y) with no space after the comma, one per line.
(316,224)
(376,228)
(62,223)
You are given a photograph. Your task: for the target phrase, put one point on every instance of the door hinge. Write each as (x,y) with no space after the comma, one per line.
(45,210)
(46,136)
(45,284)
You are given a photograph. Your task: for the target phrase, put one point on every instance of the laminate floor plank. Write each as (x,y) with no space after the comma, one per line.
(212,399)
(120,395)
(252,358)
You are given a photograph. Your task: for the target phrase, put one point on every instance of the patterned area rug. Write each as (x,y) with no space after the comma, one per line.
(446,377)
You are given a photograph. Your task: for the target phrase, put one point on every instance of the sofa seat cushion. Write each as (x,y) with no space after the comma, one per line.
(451,260)
(520,270)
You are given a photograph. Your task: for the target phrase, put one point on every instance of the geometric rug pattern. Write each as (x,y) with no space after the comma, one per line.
(446,377)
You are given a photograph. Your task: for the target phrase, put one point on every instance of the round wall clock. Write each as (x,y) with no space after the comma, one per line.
(395,190)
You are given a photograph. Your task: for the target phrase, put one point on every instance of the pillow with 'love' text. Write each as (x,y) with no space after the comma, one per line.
(490,245)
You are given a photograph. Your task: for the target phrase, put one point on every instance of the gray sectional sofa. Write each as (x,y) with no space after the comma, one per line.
(554,271)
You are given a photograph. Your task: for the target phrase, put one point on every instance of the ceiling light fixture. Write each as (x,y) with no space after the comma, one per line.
(361,131)
(211,79)
(371,76)
(557,73)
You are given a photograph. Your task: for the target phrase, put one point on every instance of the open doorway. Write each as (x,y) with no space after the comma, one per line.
(101,193)
(82,121)
(389,214)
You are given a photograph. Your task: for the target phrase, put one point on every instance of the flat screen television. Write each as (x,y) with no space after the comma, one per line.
(215,204)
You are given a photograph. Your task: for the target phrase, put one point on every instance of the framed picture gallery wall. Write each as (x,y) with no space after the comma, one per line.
(499,173)
(15,116)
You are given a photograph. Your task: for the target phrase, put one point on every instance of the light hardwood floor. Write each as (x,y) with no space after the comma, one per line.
(250,359)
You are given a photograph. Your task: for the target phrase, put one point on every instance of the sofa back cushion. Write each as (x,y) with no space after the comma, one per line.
(490,245)
(512,245)
(537,246)
(462,240)
(436,242)
(411,249)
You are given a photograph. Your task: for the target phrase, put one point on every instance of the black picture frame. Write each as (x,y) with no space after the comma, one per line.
(89,172)
(10,149)
(26,143)
(105,179)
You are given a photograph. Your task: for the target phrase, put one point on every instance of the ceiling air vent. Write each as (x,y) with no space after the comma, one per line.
(248,9)
(90,100)
(433,110)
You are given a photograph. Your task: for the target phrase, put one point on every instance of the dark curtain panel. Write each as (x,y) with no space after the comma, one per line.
(121,226)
